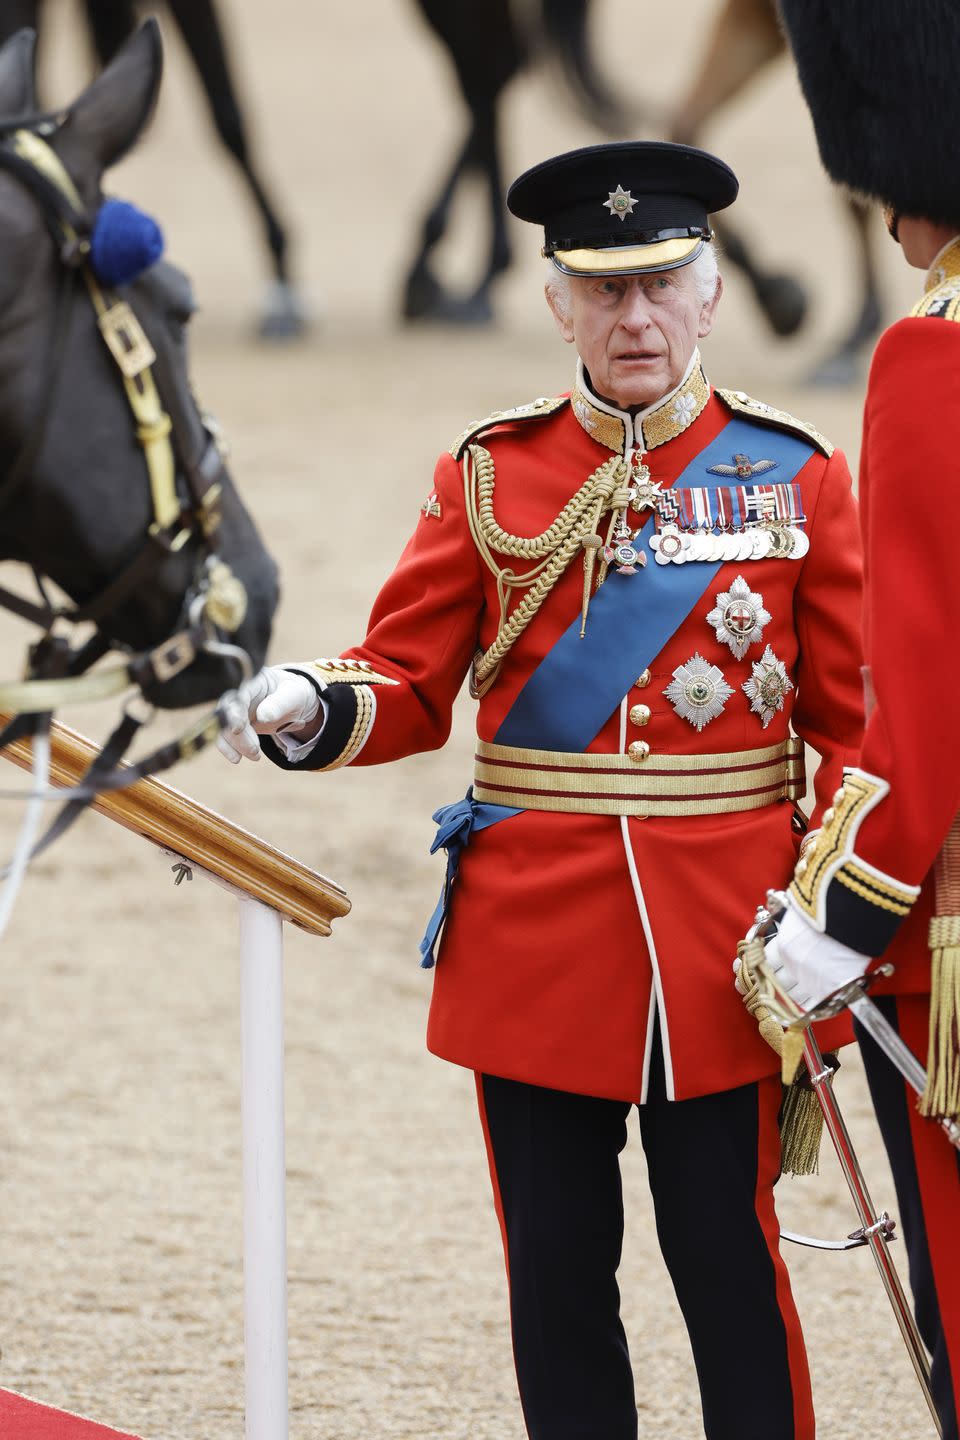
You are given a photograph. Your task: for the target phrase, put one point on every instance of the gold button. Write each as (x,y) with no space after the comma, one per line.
(644,680)
(838,796)
(801,867)
(640,714)
(638,751)
(828,815)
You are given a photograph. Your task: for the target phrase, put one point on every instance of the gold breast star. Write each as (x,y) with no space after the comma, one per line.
(619,203)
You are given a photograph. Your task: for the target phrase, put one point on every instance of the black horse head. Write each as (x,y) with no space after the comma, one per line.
(76,502)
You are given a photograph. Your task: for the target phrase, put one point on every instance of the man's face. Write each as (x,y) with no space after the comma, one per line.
(635,333)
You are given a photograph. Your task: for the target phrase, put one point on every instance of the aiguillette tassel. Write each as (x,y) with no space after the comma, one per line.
(591,544)
(942,1094)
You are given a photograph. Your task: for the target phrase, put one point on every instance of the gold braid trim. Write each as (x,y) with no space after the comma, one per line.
(361,728)
(574,529)
(339,671)
(832,855)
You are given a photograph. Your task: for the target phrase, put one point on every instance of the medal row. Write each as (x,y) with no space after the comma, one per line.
(672,546)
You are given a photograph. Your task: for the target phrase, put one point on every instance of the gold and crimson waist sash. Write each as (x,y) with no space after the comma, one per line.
(566,782)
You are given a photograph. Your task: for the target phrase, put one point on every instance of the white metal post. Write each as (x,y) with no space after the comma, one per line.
(264,1207)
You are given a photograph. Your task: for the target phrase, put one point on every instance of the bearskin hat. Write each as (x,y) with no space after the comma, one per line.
(882,79)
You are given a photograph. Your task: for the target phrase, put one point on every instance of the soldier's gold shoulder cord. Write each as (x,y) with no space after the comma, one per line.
(574,529)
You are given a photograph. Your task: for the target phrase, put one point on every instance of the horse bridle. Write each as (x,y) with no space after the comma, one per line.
(216,602)
(218,598)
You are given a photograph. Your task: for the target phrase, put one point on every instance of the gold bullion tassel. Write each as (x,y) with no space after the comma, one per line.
(801,1119)
(591,544)
(941,1096)
(801,1130)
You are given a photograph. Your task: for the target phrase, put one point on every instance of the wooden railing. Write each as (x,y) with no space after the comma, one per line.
(173,820)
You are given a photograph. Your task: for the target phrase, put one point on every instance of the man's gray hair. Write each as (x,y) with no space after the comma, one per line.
(705,270)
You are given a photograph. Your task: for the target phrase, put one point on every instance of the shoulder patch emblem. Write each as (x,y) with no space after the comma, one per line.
(941,303)
(743,404)
(431,506)
(536,410)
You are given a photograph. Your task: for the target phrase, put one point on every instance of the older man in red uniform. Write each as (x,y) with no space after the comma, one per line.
(883,878)
(655,585)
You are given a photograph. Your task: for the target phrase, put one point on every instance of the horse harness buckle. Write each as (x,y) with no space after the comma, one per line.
(126,339)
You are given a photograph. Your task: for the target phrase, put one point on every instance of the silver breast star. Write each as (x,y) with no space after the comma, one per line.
(619,203)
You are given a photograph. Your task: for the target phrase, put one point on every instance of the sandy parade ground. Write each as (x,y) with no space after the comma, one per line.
(121,1261)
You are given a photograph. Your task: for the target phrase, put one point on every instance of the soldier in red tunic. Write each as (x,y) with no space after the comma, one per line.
(883,877)
(655,587)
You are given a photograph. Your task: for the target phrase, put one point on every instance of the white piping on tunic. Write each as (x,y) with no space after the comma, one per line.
(656,993)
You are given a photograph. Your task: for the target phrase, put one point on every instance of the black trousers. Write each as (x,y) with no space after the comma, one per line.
(926,1175)
(712,1163)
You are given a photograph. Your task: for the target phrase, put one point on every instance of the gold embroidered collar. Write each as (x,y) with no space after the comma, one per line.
(945,266)
(619,431)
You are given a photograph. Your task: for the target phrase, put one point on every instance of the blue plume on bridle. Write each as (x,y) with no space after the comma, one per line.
(123,243)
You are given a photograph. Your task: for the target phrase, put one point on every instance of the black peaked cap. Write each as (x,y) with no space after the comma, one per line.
(624,195)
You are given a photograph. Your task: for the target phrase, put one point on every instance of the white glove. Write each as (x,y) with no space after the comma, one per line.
(274,699)
(808,964)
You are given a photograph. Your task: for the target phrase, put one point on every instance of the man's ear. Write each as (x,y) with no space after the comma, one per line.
(708,312)
(561,312)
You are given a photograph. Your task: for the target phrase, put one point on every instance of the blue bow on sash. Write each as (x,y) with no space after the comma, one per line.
(455,824)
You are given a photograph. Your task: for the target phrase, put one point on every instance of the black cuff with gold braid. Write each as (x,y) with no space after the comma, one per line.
(331,749)
(843,895)
(346,687)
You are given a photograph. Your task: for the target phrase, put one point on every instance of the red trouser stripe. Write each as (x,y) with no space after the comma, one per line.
(494,1178)
(937,1177)
(768,1170)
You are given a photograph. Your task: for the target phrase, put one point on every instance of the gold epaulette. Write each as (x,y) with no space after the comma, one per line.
(743,404)
(536,410)
(942,302)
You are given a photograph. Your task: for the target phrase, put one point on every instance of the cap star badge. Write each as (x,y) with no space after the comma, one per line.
(698,691)
(767,686)
(739,617)
(619,202)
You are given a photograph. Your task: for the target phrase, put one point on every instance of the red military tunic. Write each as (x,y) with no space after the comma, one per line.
(869,881)
(568,932)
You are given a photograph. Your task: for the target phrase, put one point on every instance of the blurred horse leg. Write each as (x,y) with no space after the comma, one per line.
(486,49)
(423,295)
(842,365)
(203,36)
(17,15)
(745,37)
(111,21)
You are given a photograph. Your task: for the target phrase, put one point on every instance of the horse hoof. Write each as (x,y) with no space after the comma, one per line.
(424,298)
(284,315)
(422,295)
(783,301)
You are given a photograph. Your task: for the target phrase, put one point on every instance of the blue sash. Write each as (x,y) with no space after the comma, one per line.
(578,684)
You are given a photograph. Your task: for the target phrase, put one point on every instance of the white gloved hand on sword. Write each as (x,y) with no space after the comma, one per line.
(275,699)
(807,964)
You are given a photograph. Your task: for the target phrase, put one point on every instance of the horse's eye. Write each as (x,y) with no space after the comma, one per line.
(183,305)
